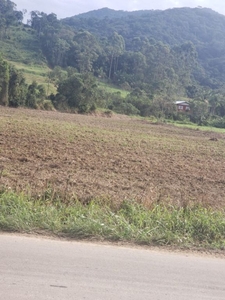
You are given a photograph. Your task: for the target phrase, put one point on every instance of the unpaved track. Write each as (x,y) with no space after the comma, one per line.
(42,269)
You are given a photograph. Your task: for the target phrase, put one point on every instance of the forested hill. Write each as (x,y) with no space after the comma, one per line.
(172,26)
(204,27)
(101,14)
(108,13)
(156,56)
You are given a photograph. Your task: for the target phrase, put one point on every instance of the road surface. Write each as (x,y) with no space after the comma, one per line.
(41,269)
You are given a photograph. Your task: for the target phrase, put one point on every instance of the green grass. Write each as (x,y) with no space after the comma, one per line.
(22,50)
(22,46)
(203,128)
(112,89)
(129,222)
(35,72)
(188,124)
(39,73)
(41,70)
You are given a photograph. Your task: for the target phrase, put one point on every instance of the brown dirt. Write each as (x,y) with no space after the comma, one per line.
(113,158)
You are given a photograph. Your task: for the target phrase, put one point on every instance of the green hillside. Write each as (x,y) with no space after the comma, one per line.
(131,62)
(22,45)
(203,27)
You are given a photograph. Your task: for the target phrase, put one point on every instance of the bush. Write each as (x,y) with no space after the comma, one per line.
(127,109)
(47,105)
(217,122)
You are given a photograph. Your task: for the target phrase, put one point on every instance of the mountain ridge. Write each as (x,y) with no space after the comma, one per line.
(203,27)
(113,13)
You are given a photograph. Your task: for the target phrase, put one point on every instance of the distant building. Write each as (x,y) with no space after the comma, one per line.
(182,106)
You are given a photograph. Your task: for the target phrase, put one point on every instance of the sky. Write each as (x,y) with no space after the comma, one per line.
(68,8)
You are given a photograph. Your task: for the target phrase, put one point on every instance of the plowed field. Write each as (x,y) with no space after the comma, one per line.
(114,158)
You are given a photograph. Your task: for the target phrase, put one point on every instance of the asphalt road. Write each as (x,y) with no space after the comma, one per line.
(42,269)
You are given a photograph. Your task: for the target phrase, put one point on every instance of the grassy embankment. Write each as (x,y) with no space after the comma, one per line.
(116,179)
(129,222)
(38,73)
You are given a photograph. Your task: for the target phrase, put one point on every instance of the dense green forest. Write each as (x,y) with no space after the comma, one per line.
(174,27)
(158,57)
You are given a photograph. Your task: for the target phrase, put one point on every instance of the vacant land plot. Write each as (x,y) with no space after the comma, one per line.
(113,158)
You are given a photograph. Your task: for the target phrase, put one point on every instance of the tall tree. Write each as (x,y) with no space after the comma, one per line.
(17,88)
(184,62)
(4,82)
(115,48)
(79,91)
(84,51)
(8,16)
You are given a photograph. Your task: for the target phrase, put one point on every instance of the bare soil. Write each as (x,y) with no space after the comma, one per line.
(113,158)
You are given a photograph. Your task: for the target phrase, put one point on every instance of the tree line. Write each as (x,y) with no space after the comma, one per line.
(77,92)
(165,51)
(154,66)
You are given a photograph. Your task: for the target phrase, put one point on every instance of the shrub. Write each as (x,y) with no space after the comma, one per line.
(217,122)
(48,105)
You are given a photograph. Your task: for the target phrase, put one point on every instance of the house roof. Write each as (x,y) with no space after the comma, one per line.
(181,102)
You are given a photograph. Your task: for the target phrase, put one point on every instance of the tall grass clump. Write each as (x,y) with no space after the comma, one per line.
(194,226)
